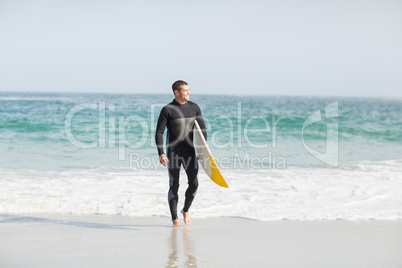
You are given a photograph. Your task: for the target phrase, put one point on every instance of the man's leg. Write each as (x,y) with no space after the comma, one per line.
(174,173)
(191,167)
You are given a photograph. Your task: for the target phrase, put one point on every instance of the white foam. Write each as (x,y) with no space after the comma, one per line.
(367,190)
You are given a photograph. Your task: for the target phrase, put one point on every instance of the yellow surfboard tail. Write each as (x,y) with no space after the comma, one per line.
(216,175)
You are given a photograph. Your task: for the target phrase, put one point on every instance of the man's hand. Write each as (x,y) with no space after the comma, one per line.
(163,160)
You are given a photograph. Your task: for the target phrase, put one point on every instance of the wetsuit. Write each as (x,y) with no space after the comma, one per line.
(179,120)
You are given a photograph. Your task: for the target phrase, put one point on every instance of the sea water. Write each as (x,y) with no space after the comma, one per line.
(283,157)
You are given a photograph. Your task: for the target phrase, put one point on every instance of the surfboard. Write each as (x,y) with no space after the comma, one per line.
(205,157)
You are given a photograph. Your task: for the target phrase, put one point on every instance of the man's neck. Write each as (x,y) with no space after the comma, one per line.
(180,101)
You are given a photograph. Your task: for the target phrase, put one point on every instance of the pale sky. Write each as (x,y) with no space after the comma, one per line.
(331,48)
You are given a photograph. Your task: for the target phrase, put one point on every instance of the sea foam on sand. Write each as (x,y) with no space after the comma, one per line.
(371,190)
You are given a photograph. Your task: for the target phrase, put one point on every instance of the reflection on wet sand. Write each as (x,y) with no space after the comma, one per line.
(181,253)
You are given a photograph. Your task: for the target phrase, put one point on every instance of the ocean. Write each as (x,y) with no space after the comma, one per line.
(296,158)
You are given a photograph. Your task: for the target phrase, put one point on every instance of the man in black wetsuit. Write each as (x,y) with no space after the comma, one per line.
(178,116)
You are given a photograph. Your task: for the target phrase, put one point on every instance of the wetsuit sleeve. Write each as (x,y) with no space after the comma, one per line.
(160,129)
(201,122)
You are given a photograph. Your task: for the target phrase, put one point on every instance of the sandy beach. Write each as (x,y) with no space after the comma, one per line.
(52,240)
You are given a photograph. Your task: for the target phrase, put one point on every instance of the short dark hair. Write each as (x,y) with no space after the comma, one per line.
(177,85)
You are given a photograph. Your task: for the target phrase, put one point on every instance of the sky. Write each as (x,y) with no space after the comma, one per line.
(323,48)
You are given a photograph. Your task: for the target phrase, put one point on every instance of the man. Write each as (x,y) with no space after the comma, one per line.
(178,116)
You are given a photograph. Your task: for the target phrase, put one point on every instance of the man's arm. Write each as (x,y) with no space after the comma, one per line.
(160,129)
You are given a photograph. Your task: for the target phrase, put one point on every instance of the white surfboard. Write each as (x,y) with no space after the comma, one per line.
(205,157)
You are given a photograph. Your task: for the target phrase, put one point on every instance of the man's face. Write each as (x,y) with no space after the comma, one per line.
(184,94)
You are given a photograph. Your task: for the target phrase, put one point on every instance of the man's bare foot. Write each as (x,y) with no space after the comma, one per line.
(176,223)
(186,217)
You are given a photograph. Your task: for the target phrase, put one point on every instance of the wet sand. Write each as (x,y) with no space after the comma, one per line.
(52,240)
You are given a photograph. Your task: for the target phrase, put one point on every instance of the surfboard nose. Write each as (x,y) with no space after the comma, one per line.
(216,175)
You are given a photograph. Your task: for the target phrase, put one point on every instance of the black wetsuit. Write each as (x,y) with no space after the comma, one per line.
(179,120)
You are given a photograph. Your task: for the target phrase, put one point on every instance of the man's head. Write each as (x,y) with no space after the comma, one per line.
(181,91)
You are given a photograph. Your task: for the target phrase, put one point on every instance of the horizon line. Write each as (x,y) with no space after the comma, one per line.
(202,94)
